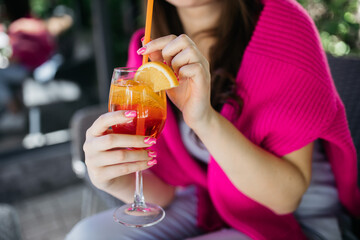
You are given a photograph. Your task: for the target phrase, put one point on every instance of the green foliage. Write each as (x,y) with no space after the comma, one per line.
(39,7)
(338,22)
(43,8)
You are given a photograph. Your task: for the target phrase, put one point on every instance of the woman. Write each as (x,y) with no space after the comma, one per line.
(255,107)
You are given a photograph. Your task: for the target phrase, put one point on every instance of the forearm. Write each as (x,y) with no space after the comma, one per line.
(269,180)
(155,190)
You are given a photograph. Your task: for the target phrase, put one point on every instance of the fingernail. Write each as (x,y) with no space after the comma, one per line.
(149,140)
(130,114)
(141,50)
(142,39)
(152,154)
(152,162)
(164,62)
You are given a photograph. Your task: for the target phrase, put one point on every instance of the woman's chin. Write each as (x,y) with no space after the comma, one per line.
(189,3)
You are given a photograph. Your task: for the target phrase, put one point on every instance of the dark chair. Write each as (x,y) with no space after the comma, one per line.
(346,74)
(93,199)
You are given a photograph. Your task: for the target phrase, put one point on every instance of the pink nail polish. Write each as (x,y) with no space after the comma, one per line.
(141,50)
(130,114)
(152,154)
(152,162)
(150,140)
(142,39)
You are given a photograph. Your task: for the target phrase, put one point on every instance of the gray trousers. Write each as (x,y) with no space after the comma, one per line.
(180,223)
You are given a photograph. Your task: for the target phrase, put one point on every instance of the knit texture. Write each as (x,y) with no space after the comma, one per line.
(289,101)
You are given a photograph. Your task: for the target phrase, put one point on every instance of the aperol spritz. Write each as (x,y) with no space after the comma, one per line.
(128,94)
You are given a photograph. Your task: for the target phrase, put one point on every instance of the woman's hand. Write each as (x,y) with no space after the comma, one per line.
(192,96)
(108,156)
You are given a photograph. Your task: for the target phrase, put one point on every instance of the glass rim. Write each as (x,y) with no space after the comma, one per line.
(126,69)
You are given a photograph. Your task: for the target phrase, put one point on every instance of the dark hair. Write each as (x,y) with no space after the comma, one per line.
(232,35)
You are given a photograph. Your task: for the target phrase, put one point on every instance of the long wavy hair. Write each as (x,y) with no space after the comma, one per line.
(232,35)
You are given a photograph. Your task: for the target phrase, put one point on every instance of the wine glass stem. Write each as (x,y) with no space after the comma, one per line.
(139,200)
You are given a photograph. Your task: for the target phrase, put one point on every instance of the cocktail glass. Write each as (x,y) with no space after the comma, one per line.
(128,94)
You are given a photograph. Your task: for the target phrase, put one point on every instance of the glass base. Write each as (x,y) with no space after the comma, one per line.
(138,217)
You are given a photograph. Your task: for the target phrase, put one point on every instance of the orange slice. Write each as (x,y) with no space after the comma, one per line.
(157,75)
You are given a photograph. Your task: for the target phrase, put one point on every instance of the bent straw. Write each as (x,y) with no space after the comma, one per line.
(149,12)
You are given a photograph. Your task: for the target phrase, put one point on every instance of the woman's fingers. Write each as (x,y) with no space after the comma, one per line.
(187,56)
(176,46)
(154,48)
(176,51)
(112,141)
(154,56)
(114,171)
(191,71)
(169,46)
(156,45)
(109,119)
(120,157)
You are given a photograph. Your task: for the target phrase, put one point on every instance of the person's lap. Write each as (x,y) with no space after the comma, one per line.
(179,223)
(102,226)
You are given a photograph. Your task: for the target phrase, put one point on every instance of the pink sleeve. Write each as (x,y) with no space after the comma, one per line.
(298,115)
(134,60)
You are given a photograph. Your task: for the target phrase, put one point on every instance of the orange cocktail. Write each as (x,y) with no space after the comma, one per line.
(128,94)
(131,90)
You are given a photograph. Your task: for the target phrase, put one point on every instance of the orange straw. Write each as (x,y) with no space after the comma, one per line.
(140,125)
(149,12)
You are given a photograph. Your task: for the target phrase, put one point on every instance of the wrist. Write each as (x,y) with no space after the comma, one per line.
(202,126)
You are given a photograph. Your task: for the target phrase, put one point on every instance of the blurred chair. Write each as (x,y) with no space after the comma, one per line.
(44,90)
(93,199)
(346,75)
(9,223)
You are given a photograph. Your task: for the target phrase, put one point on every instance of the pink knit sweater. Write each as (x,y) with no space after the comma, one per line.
(290,100)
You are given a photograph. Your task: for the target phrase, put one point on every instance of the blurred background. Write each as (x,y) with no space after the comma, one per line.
(56,60)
